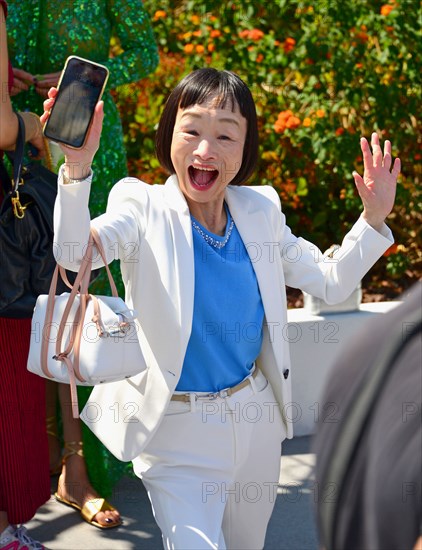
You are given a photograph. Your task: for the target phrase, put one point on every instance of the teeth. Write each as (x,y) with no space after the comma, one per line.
(204,169)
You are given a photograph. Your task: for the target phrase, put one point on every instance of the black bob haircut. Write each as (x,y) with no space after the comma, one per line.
(196,88)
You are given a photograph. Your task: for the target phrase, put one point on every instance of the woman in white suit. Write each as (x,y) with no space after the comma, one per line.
(205,261)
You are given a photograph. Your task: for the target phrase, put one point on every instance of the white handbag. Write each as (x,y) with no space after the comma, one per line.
(81,339)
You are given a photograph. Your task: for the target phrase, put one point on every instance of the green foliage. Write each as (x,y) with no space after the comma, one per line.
(323,74)
(397,264)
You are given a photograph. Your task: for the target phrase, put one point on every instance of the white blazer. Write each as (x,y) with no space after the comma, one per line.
(148,228)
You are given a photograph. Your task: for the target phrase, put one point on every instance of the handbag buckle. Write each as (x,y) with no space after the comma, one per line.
(18,209)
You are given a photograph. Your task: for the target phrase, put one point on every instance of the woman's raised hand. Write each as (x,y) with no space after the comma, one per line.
(377,187)
(78,161)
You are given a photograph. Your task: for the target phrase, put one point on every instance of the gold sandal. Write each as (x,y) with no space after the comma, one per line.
(93,506)
(51,426)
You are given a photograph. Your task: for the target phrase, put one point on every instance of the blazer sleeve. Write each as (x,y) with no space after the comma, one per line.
(331,279)
(123,222)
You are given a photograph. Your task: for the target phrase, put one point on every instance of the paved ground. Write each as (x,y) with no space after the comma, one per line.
(292,525)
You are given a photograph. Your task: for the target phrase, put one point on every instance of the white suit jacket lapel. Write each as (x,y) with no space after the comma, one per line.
(259,240)
(181,228)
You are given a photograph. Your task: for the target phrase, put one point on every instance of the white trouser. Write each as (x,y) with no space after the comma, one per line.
(212,469)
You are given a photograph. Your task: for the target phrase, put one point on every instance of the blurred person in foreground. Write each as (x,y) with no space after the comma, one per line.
(369,458)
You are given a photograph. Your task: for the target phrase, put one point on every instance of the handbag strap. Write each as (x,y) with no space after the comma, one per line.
(16,158)
(100,248)
(84,298)
(79,288)
(18,154)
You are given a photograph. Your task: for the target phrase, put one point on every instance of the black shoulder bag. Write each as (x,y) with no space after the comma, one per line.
(26,232)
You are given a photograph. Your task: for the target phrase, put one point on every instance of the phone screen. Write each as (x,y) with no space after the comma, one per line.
(80,88)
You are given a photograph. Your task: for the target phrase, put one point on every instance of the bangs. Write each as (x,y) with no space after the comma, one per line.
(221,100)
(225,93)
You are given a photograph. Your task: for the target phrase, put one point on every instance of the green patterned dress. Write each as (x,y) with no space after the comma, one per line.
(42,34)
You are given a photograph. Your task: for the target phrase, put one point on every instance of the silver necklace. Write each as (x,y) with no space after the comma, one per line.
(210,240)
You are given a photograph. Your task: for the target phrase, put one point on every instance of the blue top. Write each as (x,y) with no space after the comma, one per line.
(228,314)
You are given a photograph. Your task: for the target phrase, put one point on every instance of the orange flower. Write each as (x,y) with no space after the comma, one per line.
(289,44)
(307,122)
(215,33)
(279,127)
(286,119)
(188,48)
(293,122)
(386,9)
(339,131)
(254,34)
(392,250)
(259,58)
(359,65)
(196,33)
(200,48)
(320,113)
(284,115)
(342,194)
(211,47)
(195,19)
(159,14)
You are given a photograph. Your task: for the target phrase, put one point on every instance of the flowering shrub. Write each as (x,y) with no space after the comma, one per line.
(323,74)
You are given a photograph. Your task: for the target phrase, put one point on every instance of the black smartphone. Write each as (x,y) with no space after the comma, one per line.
(81,86)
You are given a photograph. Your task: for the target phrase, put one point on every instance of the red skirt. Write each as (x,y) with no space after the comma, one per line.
(24,462)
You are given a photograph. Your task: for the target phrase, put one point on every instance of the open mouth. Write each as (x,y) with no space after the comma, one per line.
(202,178)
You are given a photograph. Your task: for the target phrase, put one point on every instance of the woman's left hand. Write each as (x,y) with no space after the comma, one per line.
(22,80)
(46,81)
(377,188)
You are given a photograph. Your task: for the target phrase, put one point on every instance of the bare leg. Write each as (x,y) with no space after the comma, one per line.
(54,445)
(4,522)
(74,484)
